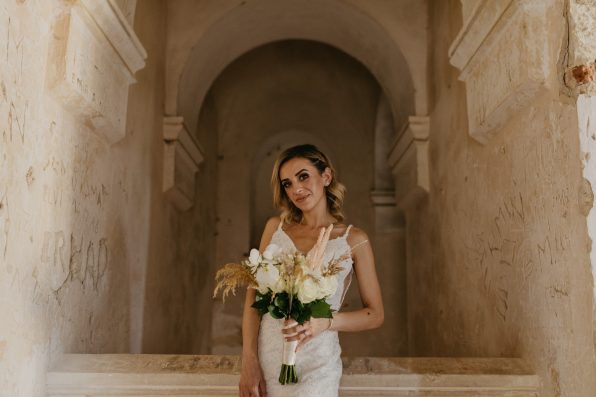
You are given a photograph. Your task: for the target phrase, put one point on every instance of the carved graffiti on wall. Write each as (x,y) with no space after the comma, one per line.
(75,258)
(501,251)
(14,109)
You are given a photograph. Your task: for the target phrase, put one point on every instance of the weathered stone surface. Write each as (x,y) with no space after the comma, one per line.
(74,211)
(582,35)
(581,49)
(499,252)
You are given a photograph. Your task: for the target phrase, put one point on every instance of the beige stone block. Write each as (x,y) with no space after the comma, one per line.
(504,60)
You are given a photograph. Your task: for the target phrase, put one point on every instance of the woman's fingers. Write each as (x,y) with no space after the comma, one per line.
(299,333)
(263,388)
(303,341)
(291,330)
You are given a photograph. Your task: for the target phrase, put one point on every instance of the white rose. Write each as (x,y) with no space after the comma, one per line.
(328,286)
(279,286)
(267,277)
(308,291)
(270,251)
(254,258)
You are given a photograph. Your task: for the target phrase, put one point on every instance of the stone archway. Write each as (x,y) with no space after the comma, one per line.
(295,86)
(394,50)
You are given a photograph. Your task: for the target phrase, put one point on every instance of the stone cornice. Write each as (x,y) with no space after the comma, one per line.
(118,31)
(504,62)
(93,55)
(182,157)
(475,30)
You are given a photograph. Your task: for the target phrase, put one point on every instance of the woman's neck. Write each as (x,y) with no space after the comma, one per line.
(317,217)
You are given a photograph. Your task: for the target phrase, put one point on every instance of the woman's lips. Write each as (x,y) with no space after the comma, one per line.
(301,199)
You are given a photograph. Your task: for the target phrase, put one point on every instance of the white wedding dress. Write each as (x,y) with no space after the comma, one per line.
(318,362)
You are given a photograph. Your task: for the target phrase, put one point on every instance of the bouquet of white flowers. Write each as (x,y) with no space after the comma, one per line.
(289,285)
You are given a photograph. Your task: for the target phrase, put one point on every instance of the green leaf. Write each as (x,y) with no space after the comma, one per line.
(276,312)
(282,301)
(262,302)
(320,309)
(303,315)
(297,308)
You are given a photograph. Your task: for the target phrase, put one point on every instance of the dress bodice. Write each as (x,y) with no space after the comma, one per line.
(336,248)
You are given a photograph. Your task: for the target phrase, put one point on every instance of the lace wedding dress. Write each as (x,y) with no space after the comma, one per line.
(318,362)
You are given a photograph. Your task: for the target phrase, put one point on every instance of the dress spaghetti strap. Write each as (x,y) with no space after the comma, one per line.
(345,235)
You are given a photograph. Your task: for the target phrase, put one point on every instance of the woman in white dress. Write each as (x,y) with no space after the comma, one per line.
(310,198)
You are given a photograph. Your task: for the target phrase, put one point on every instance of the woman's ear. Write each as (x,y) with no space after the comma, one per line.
(327,176)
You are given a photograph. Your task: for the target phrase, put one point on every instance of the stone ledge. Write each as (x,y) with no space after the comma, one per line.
(152,375)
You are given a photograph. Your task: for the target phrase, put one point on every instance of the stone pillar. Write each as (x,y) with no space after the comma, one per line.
(410,163)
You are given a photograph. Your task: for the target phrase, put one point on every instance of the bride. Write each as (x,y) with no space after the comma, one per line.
(310,197)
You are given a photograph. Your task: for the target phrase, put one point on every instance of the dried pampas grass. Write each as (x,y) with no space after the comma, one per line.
(232,276)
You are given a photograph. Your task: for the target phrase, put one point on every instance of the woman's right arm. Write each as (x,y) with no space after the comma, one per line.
(252,382)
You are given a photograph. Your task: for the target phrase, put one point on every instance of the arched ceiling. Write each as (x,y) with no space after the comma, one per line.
(205,36)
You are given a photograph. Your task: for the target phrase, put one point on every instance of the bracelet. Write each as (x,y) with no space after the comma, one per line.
(330,323)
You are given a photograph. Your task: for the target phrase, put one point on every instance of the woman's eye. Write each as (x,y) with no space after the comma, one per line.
(285,185)
(302,177)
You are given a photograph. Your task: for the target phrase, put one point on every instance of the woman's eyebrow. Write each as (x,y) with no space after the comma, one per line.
(296,174)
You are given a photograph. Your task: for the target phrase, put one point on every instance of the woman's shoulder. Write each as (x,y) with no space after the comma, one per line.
(356,236)
(273,223)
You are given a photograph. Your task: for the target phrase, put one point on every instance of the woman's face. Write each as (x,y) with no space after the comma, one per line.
(303,183)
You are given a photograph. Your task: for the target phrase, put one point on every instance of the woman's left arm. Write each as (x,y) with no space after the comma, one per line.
(372,313)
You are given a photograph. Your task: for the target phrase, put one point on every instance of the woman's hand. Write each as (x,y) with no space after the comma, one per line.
(304,333)
(252,382)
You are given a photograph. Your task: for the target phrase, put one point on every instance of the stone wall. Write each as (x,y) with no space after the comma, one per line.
(75,181)
(499,248)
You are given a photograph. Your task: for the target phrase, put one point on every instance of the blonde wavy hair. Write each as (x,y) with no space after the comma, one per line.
(335,192)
